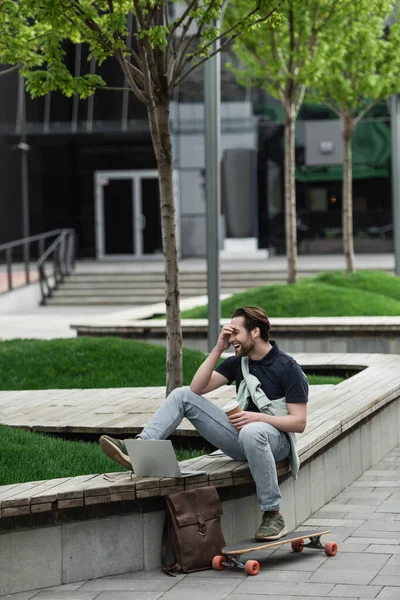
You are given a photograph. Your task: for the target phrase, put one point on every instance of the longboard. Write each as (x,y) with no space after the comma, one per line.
(231,553)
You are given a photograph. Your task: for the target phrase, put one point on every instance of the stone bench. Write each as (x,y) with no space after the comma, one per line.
(73,529)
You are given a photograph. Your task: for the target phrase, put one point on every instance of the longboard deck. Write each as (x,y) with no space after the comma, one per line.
(252,544)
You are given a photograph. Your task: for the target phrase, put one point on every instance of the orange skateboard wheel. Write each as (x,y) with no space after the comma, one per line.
(298,545)
(331,548)
(217,563)
(252,567)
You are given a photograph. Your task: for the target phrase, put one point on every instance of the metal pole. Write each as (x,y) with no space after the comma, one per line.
(212,105)
(395,126)
(24,148)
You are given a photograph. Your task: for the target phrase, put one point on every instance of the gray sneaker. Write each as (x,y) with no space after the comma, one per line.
(116,450)
(272,527)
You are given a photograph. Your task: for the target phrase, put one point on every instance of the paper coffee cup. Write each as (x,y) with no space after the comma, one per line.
(231,408)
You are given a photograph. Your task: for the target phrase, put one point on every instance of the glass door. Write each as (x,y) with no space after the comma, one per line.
(119,217)
(128,216)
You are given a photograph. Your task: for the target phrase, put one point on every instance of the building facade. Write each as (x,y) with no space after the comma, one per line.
(91,166)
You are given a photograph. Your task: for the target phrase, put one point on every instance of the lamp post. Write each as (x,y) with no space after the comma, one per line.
(395,127)
(23,146)
(212,105)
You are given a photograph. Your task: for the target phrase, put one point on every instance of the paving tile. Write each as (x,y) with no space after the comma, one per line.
(369,500)
(21,595)
(67,595)
(339,500)
(388,580)
(266,595)
(380,525)
(283,576)
(252,586)
(339,534)
(383,549)
(253,597)
(362,493)
(211,574)
(135,584)
(128,596)
(320,522)
(358,569)
(389,592)
(346,508)
(66,587)
(389,507)
(371,534)
(212,590)
(376,540)
(150,574)
(355,591)
(329,514)
(351,545)
(344,577)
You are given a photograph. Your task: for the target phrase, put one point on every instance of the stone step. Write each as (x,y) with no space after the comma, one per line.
(136,288)
(159,287)
(101,300)
(184,277)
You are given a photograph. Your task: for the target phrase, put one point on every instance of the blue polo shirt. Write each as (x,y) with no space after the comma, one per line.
(279,374)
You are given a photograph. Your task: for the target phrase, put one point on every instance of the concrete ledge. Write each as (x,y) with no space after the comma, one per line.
(96,528)
(306,334)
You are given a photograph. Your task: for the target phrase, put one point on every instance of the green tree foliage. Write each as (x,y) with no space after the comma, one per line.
(285,56)
(155,57)
(362,67)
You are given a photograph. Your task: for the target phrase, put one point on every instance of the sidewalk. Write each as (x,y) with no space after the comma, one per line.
(365,519)
(49,322)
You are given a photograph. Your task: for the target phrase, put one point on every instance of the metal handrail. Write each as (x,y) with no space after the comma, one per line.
(32,238)
(61,252)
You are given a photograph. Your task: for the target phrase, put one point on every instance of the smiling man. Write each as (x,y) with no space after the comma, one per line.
(272,393)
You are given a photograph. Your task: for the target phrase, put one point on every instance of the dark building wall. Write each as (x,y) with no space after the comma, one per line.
(61,180)
(64,154)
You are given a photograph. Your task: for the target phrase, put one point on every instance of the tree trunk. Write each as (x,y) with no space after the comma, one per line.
(347,193)
(290,195)
(161,136)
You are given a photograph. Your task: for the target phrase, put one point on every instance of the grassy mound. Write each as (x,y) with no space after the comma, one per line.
(370,281)
(87,363)
(27,456)
(308,298)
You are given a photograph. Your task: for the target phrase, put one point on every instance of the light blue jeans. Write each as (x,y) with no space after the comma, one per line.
(259,443)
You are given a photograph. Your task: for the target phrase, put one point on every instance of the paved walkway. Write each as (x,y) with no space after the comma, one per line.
(54,321)
(365,519)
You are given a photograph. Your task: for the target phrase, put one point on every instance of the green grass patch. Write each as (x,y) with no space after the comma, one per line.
(27,456)
(376,282)
(325,379)
(335,294)
(87,363)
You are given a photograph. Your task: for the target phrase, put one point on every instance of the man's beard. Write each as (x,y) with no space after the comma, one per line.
(245,348)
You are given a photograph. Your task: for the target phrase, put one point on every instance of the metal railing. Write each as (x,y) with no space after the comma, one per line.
(59,257)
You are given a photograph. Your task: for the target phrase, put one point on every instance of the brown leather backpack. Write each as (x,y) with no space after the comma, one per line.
(192,530)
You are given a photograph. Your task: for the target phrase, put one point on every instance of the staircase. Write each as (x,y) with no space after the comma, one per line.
(148,287)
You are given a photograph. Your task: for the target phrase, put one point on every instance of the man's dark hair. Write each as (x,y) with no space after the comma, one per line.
(254,316)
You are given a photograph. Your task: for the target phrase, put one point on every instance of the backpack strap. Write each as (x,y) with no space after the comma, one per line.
(245,366)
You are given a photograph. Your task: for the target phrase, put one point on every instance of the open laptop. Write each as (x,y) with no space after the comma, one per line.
(155,458)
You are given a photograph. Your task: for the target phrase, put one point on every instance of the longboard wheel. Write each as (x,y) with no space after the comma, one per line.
(331,548)
(217,563)
(252,567)
(298,545)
